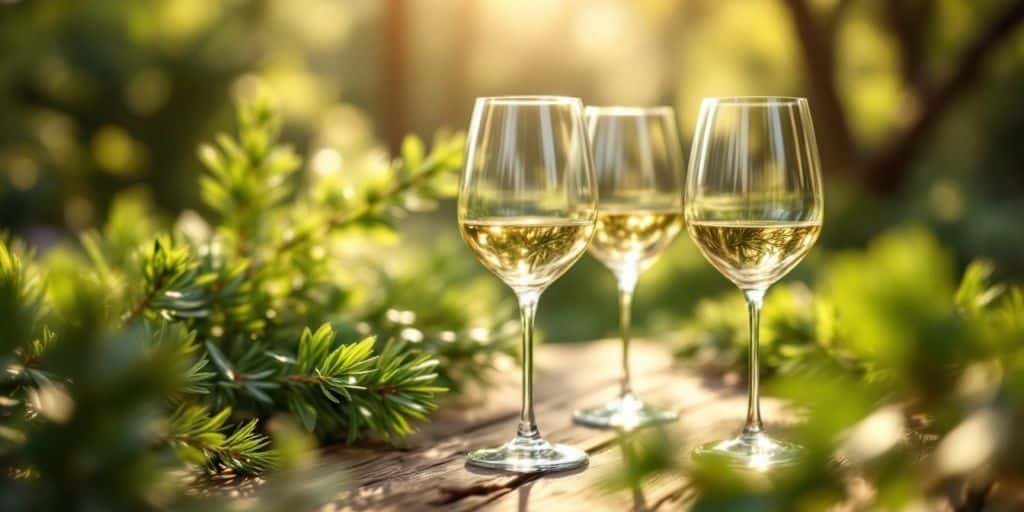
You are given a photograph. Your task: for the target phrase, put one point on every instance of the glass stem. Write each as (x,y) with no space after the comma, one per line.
(755,300)
(527,311)
(627,284)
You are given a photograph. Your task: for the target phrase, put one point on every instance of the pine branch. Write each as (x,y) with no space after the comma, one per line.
(111,391)
(248,175)
(329,386)
(401,390)
(413,173)
(25,340)
(234,338)
(424,304)
(200,438)
(177,339)
(21,300)
(169,276)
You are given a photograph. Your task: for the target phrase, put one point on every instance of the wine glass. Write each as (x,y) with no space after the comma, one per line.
(527,206)
(754,208)
(638,164)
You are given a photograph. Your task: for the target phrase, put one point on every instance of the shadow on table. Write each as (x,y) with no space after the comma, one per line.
(522,483)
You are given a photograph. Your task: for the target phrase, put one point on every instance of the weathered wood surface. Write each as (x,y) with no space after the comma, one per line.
(430,472)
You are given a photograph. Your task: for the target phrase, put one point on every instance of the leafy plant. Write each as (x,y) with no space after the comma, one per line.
(905,379)
(798,331)
(152,347)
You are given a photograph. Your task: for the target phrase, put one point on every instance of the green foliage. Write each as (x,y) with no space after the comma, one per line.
(415,304)
(97,435)
(199,438)
(83,438)
(906,378)
(798,332)
(247,175)
(25,342)
(20,296)
(152,349)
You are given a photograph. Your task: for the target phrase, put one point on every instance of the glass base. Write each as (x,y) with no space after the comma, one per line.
(752,450)
(528,454)
(626,412)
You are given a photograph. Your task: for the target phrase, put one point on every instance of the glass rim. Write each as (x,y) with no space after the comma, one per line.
(530,100)
(628,110)
(756,100)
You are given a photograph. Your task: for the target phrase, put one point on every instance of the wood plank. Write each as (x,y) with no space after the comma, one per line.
(435,457)
(431,473)
(705,414)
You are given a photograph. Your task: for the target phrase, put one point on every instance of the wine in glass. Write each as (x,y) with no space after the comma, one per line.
(527,206)
(754,209)
(638,166)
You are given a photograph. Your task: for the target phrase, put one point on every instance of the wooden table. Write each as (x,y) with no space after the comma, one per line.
(430,473)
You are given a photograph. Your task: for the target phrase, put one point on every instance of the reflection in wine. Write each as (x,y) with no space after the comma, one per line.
(631,240)
(527,252)
(754,254)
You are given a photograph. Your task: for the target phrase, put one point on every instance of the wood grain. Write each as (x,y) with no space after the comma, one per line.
(429,473)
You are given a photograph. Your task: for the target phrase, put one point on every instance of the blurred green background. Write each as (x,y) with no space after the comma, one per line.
(917,103)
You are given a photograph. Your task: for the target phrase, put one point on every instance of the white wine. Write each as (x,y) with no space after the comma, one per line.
(527,252)
(630,240)
(754,254)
